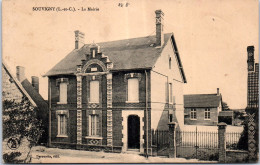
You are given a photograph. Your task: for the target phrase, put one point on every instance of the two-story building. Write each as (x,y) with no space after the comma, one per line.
(110,95)
(202,109)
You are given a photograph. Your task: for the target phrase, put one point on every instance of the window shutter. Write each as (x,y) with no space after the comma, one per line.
(133,89)
(94,91)
(98,125)
(63,92)
(65,124)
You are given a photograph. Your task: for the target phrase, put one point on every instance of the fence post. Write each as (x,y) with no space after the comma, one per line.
(172,139)
(222,142)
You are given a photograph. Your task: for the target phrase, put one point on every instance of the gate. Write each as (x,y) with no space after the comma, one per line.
(160,142)
(197,145)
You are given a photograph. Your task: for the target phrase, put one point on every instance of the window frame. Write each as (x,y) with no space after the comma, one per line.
(170,93)
(170,117)
(138,92)
(64,125)
(94,127)
(207,111)
(65,100)
(193,112)
(98,88)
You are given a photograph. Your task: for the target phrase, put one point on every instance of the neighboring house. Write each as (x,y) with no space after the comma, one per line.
(202,109)
(14,88)
(110,94)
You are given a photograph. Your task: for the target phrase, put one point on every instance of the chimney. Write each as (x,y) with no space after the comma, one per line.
(35,83)
(250,58)
(79,39)
(20,73)
(159,28)
(218,91)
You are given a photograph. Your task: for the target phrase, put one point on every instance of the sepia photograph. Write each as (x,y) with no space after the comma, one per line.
(126,81)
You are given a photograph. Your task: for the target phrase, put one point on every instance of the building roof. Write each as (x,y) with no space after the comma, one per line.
(37,98)
(18,84)
(226,113)
(135,53)
(29,91)
(202,100)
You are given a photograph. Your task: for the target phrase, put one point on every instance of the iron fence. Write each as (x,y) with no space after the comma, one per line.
(160,142)
(201,145)
(232,140)
(197,145)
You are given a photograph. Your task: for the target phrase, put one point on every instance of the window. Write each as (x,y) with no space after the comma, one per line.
(170,93)
(62,125)
(193,114)
(170,117)
(93,52)
(133,90)
(94,91)
(170,63)
(63,92)
(207,113)
(93,125)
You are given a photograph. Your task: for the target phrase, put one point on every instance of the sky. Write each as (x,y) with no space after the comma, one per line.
(211,36)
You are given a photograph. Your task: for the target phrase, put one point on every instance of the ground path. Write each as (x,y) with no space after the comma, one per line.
(55,155)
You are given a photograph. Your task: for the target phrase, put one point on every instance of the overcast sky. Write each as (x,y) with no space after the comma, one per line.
(212,37)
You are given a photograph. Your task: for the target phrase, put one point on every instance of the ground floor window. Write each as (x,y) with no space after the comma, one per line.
(207,113)
(94,125)
(62,124)
(193,114)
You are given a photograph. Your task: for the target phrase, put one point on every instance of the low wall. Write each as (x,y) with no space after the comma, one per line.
(115,149)
(236,156)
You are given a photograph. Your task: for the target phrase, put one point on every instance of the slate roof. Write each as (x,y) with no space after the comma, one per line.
(226,113)
(37,98)
(135,53)
(202,100)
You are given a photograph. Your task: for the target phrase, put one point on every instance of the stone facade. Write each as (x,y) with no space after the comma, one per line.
(10,89)
(200,117)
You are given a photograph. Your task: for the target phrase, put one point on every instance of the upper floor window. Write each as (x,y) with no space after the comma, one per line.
(170,117)
(94,125)
(62,125)
(63,92)
(207,113)
(62,83)
(93,53)
(170,63)
(193,114)
(133,90)
(94,92)
(170,93)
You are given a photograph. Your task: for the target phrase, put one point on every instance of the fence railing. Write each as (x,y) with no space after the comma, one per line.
(197,139)
(202,145)
(232,140)
(160,138)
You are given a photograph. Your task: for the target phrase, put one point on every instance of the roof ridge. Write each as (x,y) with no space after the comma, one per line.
(201,94)
(125,39)
(19,84)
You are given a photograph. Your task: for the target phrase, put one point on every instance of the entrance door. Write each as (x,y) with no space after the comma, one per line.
(133,132)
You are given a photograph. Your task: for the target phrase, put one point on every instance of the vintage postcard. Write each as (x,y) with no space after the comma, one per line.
(126,81)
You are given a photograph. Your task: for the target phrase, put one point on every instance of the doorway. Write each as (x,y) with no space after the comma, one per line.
(133,132)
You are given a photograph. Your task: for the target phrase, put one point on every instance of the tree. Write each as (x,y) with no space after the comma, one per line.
(20,120)
(225,106)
